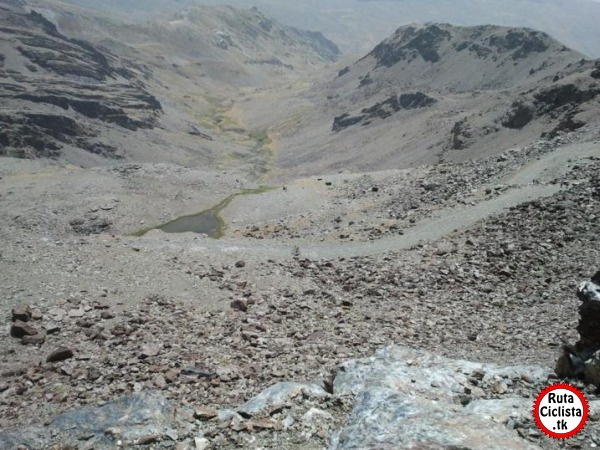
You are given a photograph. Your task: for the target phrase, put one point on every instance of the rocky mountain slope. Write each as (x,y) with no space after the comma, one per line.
(263,315)
(58,90)
(167,83)
(462,59)
(440,93)
(235,46)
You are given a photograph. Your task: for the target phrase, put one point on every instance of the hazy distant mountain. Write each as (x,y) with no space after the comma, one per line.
(354,24)
(357,25)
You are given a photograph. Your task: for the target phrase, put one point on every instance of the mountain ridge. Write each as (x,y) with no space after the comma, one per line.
(439,92)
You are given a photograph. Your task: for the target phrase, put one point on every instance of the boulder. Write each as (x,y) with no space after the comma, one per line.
(422,394)
(138,419)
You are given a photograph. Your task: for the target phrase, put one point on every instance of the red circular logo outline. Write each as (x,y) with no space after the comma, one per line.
(574,390)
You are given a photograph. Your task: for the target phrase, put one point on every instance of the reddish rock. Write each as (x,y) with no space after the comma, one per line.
(60,354)
(147,439)
(20,329)
(262,424)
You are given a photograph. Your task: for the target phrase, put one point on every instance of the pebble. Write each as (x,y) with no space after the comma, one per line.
(36,339)
(60,354)
(239,305)
(205,413)
(21,313)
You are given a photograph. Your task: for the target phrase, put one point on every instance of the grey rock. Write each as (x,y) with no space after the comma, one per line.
(76,313)
(52,328)
(397,367)
(150,351)
(278,395)
(412,390)
(381,412)
(591,369)
(36,339)
(137,418)
(201,443)
(199,372)
(22,313)
(57,314)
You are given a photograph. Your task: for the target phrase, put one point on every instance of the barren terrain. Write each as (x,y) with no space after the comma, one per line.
(398,227)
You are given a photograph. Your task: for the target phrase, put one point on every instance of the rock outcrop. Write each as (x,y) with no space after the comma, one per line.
(436,402)
(73,86)
(384,109)
(560,102)
(589,311)
(470,58)
(137,419)
(582,360)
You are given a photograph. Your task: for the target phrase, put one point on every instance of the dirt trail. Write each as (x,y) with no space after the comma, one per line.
(552,165)
(529,183)
(445,222)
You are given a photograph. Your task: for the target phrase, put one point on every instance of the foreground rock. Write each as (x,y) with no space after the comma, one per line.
(435,401)
(137,419)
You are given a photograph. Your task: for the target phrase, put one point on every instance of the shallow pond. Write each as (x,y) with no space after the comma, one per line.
(207,222)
